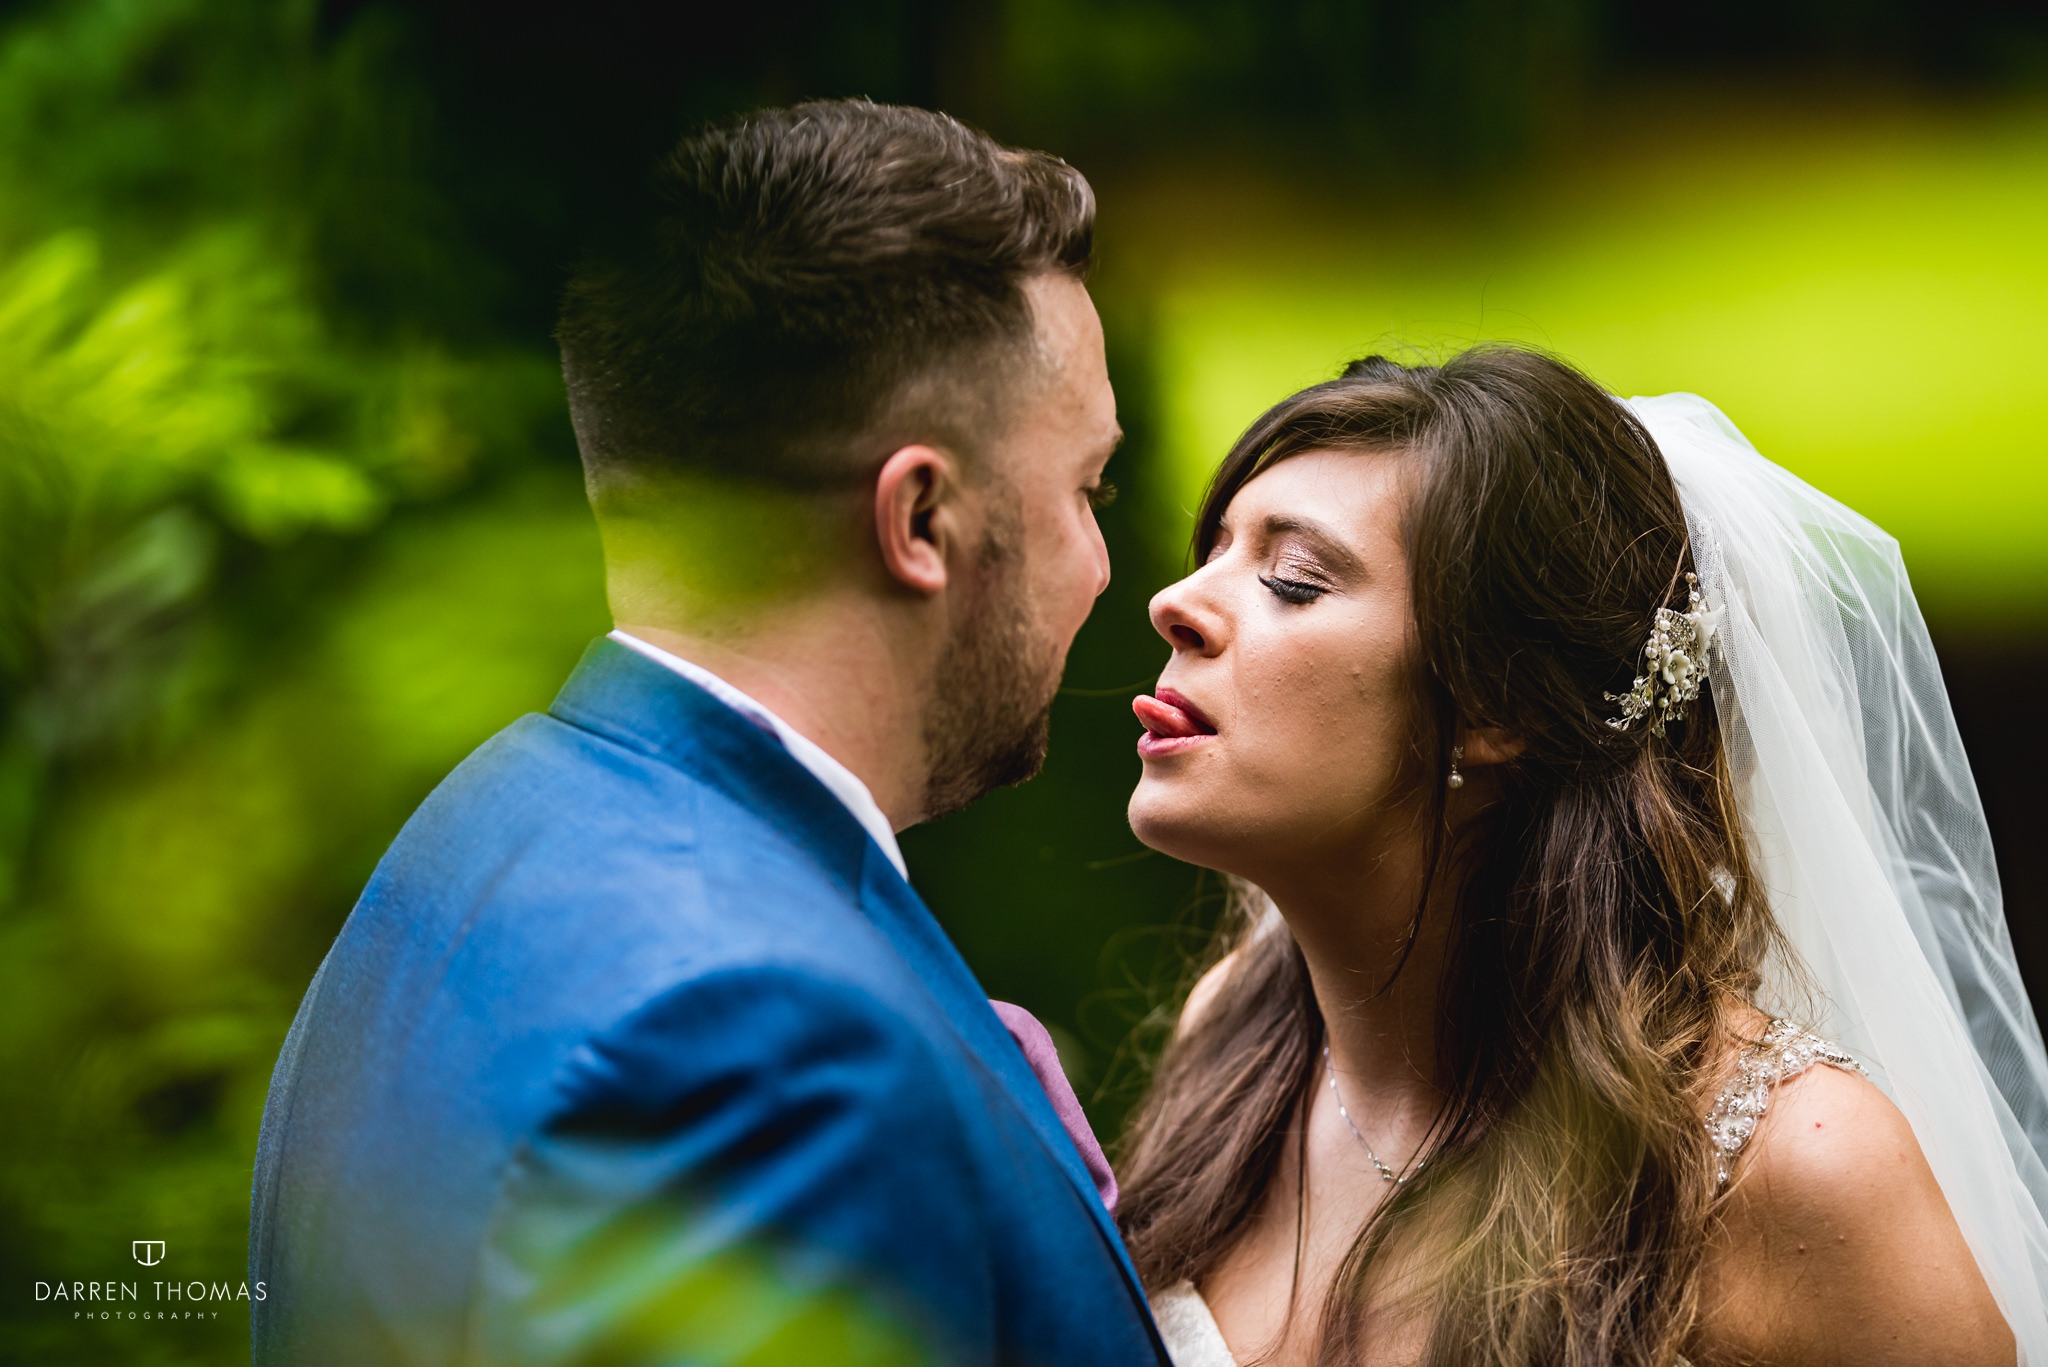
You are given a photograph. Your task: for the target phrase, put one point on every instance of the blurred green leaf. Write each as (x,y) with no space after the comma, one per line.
(243,541)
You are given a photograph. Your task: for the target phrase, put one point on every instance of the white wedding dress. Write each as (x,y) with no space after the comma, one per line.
(1864,826)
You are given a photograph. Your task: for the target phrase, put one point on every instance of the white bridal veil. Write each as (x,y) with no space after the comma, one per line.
(1865,827)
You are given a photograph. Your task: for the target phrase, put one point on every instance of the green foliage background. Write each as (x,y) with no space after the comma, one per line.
(268,562)
(290,517)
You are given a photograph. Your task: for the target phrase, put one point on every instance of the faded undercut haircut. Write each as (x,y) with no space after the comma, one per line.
(818,286)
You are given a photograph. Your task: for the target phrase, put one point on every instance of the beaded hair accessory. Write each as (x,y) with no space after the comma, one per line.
(1681,646)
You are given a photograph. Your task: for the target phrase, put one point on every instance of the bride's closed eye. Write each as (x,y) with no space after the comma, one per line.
(1295,591)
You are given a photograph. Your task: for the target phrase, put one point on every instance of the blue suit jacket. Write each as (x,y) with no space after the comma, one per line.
(638,1050)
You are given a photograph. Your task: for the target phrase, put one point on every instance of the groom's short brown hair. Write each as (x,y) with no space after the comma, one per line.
(818,283)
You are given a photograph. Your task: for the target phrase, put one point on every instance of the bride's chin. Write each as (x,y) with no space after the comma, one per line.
(1158,824)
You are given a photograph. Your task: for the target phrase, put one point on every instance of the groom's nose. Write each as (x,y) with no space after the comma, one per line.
(1099,550)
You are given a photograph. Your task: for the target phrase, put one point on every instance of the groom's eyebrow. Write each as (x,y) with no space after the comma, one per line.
(1328,546)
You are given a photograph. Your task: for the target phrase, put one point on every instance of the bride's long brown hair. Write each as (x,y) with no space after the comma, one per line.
(1603,913)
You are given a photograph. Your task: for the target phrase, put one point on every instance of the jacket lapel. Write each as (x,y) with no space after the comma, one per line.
(629,698)
(902,915)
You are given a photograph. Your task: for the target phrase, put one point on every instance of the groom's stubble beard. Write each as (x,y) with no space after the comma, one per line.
(990,715)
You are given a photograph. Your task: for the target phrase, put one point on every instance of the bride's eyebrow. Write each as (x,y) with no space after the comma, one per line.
(1326,544)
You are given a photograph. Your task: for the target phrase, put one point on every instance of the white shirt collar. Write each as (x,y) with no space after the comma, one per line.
(839,780)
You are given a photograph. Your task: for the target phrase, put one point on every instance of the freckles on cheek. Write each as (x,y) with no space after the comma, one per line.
(1291,680)
(1319,718)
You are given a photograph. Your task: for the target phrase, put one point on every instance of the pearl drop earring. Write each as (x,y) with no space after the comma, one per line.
(1456,780)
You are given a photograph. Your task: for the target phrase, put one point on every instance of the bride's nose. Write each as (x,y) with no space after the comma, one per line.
(1187,623)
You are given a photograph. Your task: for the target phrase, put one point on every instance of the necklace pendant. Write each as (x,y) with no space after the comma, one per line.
(1386,1173)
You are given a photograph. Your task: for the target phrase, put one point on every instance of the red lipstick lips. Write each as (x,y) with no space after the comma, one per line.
(1171,722)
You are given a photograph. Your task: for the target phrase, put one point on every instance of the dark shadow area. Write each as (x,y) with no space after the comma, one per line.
(1985,674)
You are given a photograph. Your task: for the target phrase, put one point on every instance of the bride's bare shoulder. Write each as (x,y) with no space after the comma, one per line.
(1835,1244)
(1202,996)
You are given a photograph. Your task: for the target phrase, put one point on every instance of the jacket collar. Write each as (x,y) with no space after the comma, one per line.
(634,701)
(626,697)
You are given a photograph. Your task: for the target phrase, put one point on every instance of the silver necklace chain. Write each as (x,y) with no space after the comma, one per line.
(1397,1178)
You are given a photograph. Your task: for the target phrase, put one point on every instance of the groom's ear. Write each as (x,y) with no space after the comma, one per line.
(916,515)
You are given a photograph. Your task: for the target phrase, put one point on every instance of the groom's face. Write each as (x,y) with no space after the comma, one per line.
(1040,562)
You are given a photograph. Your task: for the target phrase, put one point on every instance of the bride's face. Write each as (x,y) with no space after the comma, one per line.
(1279,734)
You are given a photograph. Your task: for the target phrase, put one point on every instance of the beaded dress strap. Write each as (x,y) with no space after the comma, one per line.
(1785,1051)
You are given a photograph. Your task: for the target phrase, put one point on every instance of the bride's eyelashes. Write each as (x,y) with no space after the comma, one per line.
(1292,590)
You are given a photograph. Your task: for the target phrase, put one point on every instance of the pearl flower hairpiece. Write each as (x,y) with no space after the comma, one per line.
(1680,648)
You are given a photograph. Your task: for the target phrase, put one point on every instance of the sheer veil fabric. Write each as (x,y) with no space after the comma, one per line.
(1865,827)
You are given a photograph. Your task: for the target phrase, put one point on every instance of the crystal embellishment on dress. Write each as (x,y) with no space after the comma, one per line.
(1680,648)
(1785,1051)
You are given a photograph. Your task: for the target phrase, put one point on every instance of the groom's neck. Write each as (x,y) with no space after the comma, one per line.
(833,670)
